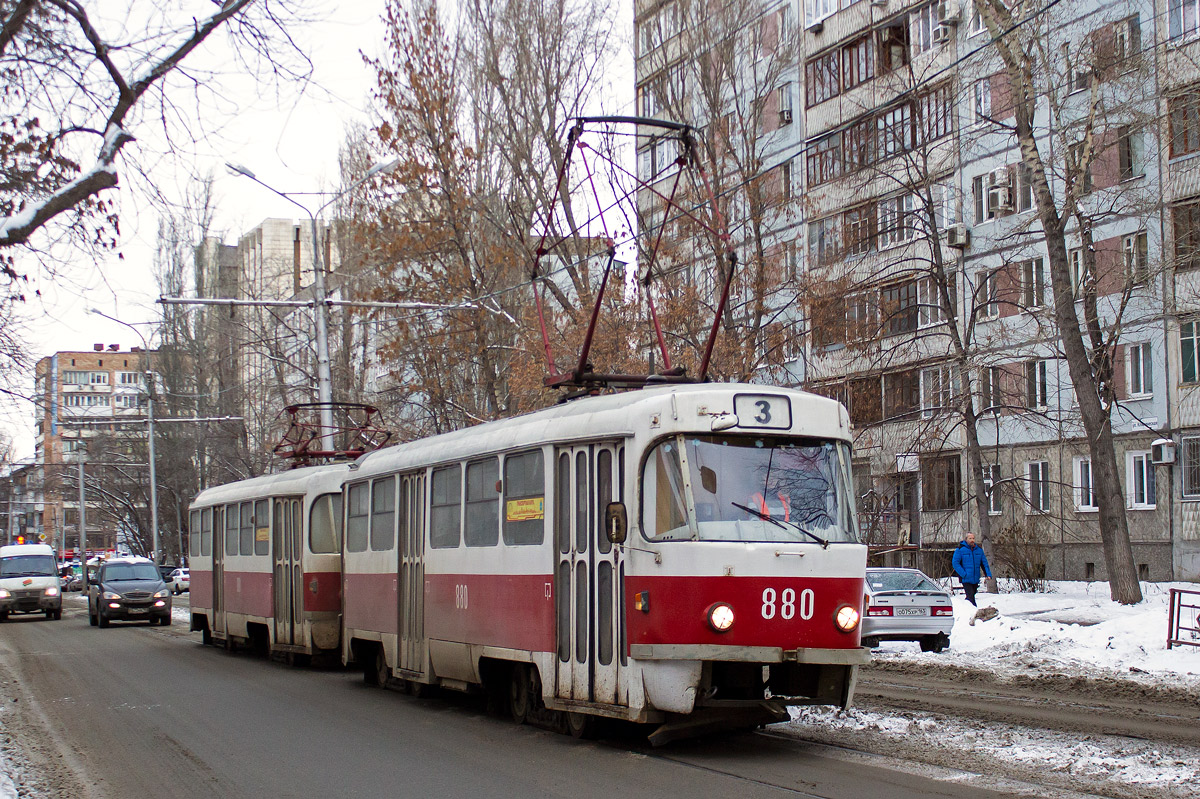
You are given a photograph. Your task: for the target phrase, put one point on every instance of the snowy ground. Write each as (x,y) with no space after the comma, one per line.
(1074,630)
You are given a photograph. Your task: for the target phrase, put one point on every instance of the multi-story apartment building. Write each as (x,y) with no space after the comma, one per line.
(82,395)
(925,300)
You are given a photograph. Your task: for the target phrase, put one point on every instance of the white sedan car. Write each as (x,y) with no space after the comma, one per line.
(179,581)
(905,605)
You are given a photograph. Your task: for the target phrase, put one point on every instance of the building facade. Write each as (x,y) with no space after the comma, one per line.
(924,294)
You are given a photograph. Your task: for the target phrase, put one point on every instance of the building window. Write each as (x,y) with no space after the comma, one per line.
(1134,257)
(1129,153)
(895,220)
(1036,385)
(939,389)
(992,487)
(895,131)
(941,483)
(859,234)
(858,63)
(824,160)
(898,305)
(1033,284)
(1085,491)
(1141,370)
(921,23)
(989,388)
(1182,16)
(1190,463)
(1140,480)
(823,244)
(981,101)
(131,378)
(859,143)
(1037,484)
(822,79)
(901,393)
(1079,272)
(929,295)
(936,117)
(986,294)
(1183,110)
(1127,38)
(861,315)
(783,96)
(977,23)
(1189,352)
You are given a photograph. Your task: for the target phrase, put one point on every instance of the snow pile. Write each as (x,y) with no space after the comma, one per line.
(1075,629)
(1094,758)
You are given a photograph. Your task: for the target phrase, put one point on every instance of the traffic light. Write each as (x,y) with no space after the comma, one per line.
(20,539)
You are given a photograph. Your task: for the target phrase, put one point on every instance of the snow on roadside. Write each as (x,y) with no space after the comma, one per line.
(1095,758)
(8,789)
(1075,629)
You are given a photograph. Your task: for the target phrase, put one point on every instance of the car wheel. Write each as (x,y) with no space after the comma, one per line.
(4,616)
(934,643)
(101,619)
(58,614)
(91,616)
(165,621)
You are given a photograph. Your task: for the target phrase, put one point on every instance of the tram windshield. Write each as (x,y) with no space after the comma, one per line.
(739,488)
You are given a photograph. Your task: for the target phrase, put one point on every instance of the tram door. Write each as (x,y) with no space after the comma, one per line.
(412,572)
(288,578)
(218,570)
(588,602)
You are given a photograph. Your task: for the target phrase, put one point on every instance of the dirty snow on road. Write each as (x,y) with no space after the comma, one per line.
(1072,630)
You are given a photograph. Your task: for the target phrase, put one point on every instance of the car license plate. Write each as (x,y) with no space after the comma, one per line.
(138,610)
(911,612)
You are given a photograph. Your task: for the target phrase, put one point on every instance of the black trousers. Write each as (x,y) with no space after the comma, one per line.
(970,589)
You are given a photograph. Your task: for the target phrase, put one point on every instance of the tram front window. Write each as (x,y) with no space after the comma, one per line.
(747,489)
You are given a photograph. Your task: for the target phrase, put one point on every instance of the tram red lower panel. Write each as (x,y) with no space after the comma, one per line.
(322,592)
(371,602)
(200,593)
(791,613)
(248,593)
(515,611)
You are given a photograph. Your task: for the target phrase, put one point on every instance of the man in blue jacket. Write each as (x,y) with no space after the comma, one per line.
(969,561)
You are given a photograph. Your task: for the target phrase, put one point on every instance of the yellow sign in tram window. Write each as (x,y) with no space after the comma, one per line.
(262,533)
(523,510)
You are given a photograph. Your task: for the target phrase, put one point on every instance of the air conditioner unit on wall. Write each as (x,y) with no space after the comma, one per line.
(1162,452)
(785,116)
(999,199)
(948,12)
(958,236)
(942,34)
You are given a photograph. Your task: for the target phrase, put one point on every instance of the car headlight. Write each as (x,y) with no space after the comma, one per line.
(720,617)
(4,594)
(52,591)
(109,595)
(161,594)
(846,618)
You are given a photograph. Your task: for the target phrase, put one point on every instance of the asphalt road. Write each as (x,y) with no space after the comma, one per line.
(138,711)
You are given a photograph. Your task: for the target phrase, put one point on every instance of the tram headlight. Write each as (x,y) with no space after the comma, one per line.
(847,618)
(720,617)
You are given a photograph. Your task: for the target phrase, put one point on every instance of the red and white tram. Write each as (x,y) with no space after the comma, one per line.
(683,555)
(266,562)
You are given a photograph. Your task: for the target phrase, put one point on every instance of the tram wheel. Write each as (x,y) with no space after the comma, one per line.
(519,700)
(580,725)
(375,672)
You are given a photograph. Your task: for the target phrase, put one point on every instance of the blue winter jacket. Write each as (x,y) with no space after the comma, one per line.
(968,561)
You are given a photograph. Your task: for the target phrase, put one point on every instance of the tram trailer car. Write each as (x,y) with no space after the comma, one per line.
(266,563)
(681,555)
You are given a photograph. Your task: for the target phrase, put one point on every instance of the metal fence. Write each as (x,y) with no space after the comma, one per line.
(1183,618)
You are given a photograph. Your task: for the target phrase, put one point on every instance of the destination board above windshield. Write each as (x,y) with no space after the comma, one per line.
(763,411)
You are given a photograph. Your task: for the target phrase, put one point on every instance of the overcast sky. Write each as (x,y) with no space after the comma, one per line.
(290,142)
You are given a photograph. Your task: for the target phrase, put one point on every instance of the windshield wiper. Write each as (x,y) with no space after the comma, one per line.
(784,524)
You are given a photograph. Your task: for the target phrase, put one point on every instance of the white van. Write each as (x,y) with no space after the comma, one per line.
(29,581)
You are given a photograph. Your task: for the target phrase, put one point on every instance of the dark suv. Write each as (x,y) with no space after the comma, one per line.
(128,589)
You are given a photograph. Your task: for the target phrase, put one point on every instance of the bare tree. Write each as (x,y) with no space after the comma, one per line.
(1039,77)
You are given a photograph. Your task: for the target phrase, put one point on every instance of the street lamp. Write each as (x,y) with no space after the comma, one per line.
(149,430)
(324,375)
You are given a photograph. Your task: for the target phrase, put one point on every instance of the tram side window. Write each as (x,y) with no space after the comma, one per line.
(323,522)
(231,529)
(194,533)
(445,507)
(524,499)
(483,503)
(357,516)
(662,492)
(246,540)
(262,527)
(383,514)
(206,532)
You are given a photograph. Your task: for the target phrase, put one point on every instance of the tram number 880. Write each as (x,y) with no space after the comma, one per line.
(787,605)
